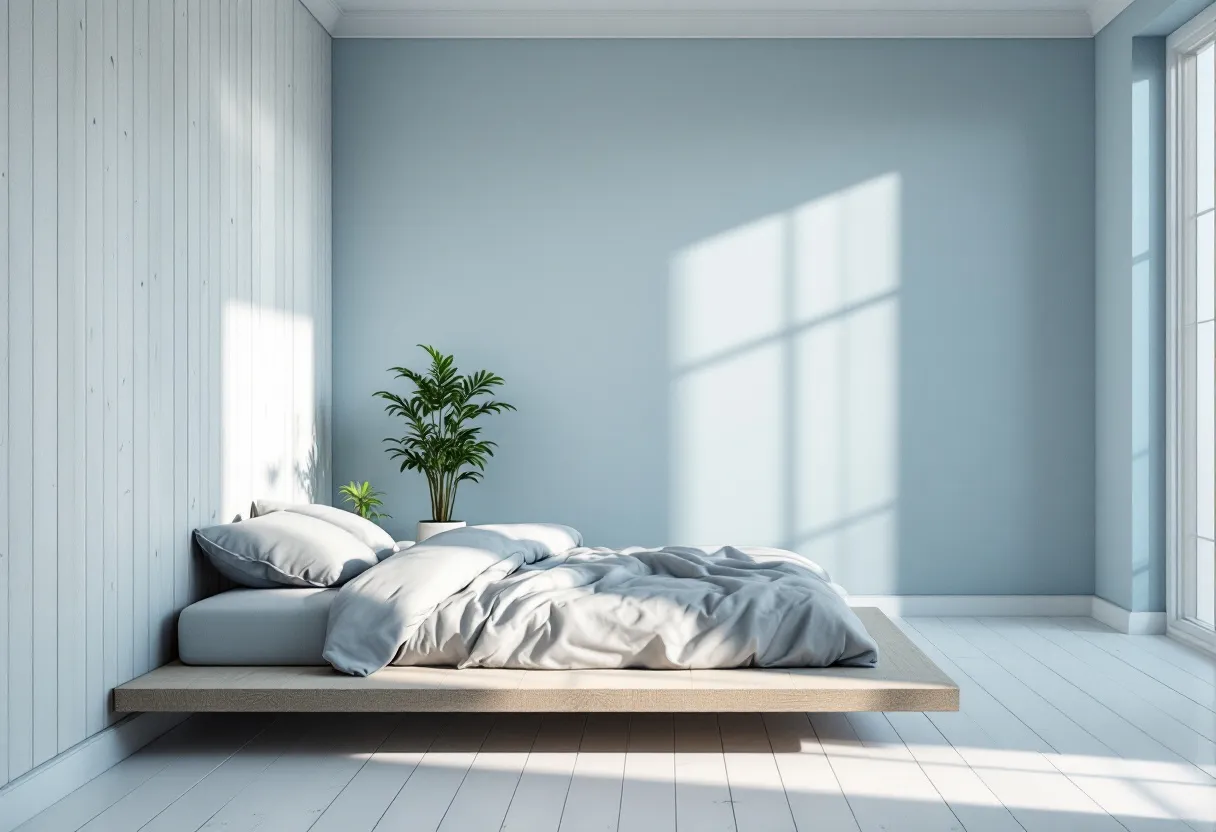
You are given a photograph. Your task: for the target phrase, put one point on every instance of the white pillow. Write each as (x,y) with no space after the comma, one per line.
(285,549)
(367,532)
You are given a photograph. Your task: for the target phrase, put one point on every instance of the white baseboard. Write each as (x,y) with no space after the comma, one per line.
(968,605)
(1125,621)
(1088,606)
(40,787)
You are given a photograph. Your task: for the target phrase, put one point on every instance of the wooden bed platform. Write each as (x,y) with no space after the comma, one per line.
(905,680)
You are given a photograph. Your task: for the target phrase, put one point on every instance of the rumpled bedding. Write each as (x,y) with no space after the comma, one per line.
(532,596)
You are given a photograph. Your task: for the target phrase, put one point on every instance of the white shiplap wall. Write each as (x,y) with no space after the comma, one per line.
(164,324)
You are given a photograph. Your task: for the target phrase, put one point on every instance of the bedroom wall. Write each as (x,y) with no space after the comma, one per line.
(1130,295)
(830,295)
(164,325)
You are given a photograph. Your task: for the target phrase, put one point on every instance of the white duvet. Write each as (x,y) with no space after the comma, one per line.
(531,596)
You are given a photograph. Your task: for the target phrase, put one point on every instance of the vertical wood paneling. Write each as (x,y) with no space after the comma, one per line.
(21,387)
(221,84)
(262,222)
(46,408)
(280,428)
(166,456)
(305,343)
(155,610)
(324,300)
(164,325)
(194,279)
(109,492)
(200,576)
(71,368)
(94,456)
(241,335)
(77,726)
(5,548)
(289,231)
(215,307)
(140,375)
(181,549)
(124,398)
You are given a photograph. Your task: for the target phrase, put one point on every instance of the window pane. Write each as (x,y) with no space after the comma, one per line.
(1205,431)
(1205,86)
(1204,274)
(1205,582)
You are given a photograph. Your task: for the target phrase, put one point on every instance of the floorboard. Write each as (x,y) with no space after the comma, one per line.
(485,795)
(703,800)
(541,792)
(593,803)
(293,791)
(367,797)
(1017,764)
(1064,726)
(213,792)
(756,790)
(811,787)
(885,786)
(427,795)
(648,792)
(115,784)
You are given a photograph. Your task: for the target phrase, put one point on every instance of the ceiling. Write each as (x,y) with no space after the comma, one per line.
(713,18)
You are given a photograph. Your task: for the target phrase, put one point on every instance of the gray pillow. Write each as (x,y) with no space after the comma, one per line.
(371,535)
(284,549)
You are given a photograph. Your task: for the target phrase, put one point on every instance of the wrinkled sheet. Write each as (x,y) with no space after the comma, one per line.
(531,596)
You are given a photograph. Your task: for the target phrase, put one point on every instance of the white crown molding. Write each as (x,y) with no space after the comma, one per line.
(326,12)
(712,24)
(1102,12)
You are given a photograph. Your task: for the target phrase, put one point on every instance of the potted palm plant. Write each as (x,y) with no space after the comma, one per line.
(440,439)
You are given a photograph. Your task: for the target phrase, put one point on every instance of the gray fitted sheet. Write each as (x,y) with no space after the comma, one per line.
(256,627)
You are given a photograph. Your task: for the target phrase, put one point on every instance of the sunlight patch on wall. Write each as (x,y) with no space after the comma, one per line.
(268,441)
(785,375)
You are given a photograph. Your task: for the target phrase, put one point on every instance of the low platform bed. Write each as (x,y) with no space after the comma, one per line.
(904,680)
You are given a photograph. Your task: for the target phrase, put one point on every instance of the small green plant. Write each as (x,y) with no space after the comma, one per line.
(365,500)
(440,441)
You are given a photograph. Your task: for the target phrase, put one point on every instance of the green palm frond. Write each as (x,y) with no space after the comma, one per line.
(364,499)
(440,441)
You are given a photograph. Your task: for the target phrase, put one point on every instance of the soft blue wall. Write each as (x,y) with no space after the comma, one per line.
(549,210)
(1130,302)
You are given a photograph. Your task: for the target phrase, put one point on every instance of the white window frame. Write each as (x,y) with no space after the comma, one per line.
(1181,48)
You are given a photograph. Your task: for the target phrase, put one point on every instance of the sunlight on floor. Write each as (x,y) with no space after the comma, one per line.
(1062,727)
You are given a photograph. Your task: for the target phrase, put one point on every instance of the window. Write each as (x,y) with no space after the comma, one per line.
(1191,348)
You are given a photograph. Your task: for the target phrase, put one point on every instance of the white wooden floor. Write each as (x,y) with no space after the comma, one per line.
(1065,725)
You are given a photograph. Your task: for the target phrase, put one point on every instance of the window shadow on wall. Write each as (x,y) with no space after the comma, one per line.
(784,345)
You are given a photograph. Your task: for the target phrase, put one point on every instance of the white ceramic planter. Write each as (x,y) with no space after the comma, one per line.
(426,530)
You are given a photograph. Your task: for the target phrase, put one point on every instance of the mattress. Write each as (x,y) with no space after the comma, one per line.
(256,627)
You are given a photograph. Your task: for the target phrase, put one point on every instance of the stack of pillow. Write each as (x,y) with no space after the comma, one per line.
(302,545)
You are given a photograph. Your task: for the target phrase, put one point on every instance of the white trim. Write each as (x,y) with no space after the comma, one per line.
(972,605)
(326,12)
(1174,209)
(1102,12)
(1132,623)
(1191,35)
(1181,47)
(1190,635)
(654,23)
(39,788)
(1016,606)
